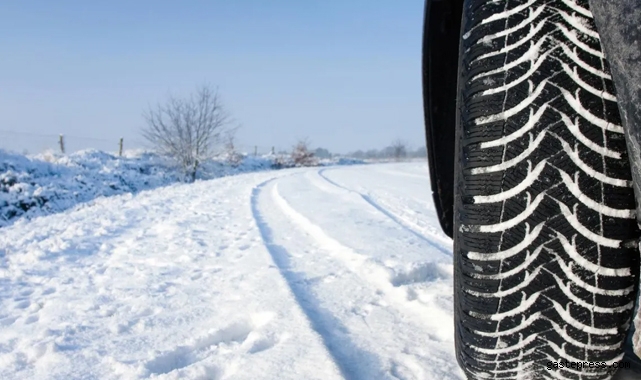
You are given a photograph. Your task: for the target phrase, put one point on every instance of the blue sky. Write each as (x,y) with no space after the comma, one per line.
(343,73)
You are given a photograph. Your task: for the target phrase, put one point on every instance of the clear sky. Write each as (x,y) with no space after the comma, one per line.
(344,73)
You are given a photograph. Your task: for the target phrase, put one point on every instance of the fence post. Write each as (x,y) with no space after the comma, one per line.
(61,141)
(120,148)
(255,150)
(273,151)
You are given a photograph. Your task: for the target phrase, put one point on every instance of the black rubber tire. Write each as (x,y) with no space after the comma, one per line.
(546,267)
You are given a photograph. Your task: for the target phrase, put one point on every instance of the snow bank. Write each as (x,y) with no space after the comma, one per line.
(47,183)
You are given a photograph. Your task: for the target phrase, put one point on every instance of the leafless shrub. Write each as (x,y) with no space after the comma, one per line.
(231,153)
(302,155)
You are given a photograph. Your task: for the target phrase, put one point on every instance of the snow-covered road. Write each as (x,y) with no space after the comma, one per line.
(299,274)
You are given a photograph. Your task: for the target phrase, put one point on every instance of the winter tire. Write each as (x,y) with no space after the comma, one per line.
(544,224)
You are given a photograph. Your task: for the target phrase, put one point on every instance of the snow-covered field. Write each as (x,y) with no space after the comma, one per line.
(320,273)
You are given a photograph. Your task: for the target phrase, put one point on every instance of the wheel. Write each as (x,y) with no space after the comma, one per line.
(546,264)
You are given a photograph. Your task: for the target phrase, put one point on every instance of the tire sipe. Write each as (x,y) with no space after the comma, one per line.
(544,212)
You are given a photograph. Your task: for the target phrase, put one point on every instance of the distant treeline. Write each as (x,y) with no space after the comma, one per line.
(397,150)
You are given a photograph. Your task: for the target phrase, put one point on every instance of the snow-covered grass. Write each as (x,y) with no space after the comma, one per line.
(48,183)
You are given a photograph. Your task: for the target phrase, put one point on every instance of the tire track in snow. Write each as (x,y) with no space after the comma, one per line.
(398,220)
(371,272)
(410,329)
(345,353)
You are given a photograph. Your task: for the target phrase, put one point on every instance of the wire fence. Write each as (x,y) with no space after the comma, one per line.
(34,143)
(30,143)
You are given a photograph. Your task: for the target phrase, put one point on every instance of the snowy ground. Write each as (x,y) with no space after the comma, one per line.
(320,273)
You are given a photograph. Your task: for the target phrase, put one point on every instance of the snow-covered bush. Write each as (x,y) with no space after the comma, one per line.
(48,183)
(302,155)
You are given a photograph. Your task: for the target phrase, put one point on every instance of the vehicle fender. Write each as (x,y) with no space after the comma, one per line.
(441,36)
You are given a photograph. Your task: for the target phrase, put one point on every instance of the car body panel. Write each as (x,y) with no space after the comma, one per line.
(441,35)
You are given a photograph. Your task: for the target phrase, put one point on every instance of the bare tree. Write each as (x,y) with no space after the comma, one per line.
(302,155)
(187,129)
(399,149)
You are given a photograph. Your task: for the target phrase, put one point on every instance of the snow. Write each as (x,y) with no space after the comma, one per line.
(307,273)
